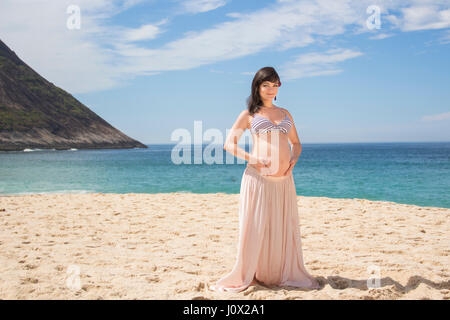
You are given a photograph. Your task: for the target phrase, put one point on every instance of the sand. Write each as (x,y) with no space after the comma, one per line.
(175,245)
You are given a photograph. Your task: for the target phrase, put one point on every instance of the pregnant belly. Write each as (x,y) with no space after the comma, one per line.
(278,154)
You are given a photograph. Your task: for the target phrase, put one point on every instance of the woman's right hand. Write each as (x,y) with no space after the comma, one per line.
(260,162)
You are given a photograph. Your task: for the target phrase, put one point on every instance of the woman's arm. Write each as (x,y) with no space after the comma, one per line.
(231,142)
(293,138)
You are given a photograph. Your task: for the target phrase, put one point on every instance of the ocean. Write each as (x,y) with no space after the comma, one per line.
(408,173)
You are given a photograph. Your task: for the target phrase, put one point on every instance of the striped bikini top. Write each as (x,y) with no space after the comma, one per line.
(261,124)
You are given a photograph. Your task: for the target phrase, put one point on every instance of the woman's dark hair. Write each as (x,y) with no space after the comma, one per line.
(254,101)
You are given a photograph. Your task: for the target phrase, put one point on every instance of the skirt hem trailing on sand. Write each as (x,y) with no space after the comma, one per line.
(269,247)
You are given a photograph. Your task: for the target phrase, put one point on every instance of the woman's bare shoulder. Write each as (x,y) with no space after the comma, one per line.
(245,113)
(244,117)
(286,111)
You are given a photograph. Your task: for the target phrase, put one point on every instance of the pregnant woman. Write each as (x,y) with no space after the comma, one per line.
(269,249)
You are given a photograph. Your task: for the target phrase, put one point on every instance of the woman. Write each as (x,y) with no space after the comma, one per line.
(269,249)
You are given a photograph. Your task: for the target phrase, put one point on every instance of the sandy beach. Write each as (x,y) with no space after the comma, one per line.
(175,245)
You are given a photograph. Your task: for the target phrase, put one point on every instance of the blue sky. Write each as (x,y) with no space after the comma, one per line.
(151,67)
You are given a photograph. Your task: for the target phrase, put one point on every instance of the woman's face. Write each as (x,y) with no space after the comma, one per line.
(268,90)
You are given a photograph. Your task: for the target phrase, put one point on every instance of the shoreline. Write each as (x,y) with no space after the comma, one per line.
(81,192)
(175,245)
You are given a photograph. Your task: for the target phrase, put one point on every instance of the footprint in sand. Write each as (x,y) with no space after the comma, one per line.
(152,279)
(29,280)
(200,286)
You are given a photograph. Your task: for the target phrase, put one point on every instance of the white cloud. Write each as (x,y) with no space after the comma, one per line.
(101,56)
(75,60)
(234,15)
(317,63)
(394,21)
(413,15)
(332,56)
(424,18)
(196,6)
(381,36)
(144,32)
(292,25)
(437,117)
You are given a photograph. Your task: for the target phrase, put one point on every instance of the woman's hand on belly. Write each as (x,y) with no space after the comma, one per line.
(261,162)
(292,163)
(278,168)
(267,167)
(278,153)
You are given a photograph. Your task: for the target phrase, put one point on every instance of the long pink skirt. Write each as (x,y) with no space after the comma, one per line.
(269,247)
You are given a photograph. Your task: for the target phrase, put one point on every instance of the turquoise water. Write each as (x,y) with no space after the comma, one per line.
(410,173)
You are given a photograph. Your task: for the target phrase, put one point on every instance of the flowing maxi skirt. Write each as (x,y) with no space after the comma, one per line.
(269,247)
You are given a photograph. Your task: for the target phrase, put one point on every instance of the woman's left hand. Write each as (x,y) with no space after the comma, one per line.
(292,163)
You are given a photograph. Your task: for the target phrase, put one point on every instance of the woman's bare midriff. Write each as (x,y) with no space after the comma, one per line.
(273,145)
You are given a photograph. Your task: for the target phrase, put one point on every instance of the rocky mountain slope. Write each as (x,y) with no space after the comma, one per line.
(34,113)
